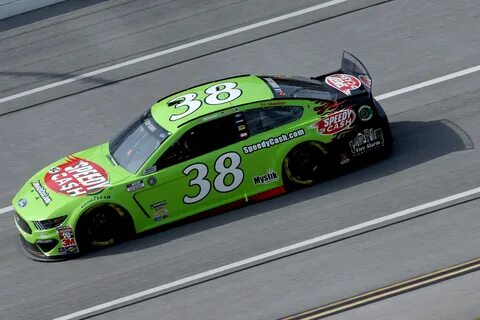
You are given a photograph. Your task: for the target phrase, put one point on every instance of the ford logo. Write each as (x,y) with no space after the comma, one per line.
(22,203)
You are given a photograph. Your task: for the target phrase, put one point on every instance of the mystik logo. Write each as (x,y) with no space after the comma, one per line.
(269,177)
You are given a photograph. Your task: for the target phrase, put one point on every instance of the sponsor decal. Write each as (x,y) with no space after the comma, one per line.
(269,177)
(213,116)
(367,82)
(335,122)
(270,142)
(150,126)
(367,140)
(22,202)
(77,177)
(365,113)
(161,211)
(241,126)
(152,181)
(344,159)
(239,118)
(343,82)
(94,199)
(54,170)
(69,250)
(42,193)
(67,239)
(158,205)
(275,86)
(135,186)
(272,103)
(150,170)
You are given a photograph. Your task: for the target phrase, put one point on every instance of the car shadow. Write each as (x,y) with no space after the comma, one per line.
(415,142)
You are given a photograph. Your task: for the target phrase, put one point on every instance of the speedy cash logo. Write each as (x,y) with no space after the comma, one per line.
(335,122)
(77,177)
(270,142)
(343,82)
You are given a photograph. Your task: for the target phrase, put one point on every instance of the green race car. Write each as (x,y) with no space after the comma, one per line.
(210,147)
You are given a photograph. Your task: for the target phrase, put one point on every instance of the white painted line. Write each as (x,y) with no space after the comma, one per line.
(266,255)
(429,82)
(175,49)
(6,209)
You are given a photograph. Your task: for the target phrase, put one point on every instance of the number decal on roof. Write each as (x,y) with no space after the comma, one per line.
(216,94)
(218,91)
(187,100)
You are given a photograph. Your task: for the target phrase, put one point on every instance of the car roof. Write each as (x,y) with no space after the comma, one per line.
(252,87)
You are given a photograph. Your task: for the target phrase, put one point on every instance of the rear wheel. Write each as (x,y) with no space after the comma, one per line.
(302,166)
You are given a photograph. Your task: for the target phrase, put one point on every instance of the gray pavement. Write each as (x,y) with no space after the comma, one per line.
(436,131)
(330,273)
(438,302)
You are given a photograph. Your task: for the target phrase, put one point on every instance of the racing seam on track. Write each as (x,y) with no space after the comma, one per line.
(388,291)
(302,246)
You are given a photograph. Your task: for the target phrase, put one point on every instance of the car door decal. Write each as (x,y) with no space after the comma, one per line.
(228,164)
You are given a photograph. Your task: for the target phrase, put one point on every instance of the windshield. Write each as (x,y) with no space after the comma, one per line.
(137,142)
(299,87)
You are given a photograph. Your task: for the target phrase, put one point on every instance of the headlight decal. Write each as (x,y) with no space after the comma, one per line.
(49,223)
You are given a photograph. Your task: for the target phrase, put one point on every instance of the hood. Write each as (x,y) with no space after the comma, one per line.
(62,186)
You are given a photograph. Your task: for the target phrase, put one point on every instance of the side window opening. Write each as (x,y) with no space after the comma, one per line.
(204,138)
(263,119)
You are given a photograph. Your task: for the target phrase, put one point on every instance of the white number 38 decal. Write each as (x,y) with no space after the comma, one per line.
(217,94)
(219,183)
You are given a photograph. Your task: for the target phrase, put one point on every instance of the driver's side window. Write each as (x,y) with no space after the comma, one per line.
(204,138)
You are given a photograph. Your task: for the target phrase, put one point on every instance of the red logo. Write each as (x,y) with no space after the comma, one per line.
(66,236)
(77,177)
(68,242)
(343,82)
(335,122)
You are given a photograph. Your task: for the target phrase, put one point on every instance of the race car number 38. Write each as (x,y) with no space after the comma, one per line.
(220,182)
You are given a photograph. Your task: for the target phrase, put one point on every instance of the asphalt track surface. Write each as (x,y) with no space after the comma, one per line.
(436,131)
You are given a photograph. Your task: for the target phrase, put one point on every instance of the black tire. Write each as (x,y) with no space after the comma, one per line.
(303,165)
(100,227)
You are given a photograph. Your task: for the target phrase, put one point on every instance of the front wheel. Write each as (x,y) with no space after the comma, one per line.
(100,227)
(302,166)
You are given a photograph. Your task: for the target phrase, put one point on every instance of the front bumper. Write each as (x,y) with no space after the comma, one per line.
(46,245)
(32,251)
